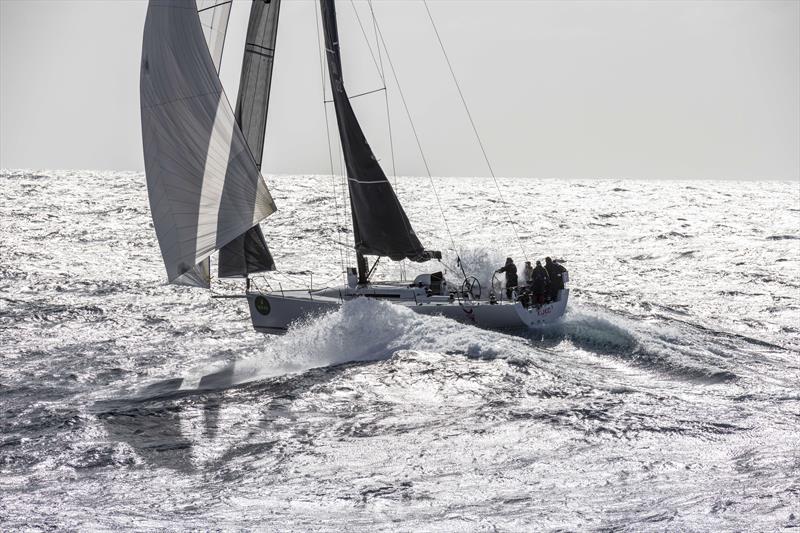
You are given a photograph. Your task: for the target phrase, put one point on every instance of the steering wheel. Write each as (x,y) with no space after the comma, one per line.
(471,287)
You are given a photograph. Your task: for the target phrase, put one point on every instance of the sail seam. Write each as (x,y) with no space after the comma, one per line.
(373,182)
(259,46)
(262,54)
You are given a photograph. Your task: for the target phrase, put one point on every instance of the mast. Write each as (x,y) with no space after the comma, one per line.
(380,225)
(204,186)
(249,253)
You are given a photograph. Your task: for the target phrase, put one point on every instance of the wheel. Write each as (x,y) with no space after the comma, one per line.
(471,288)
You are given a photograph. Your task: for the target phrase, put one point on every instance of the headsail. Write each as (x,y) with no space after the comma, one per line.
(204,186)
(380,225)
(249,253)
(256,78)
(214,15)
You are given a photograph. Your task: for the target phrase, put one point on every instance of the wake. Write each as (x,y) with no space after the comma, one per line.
(362,330)
(665,347)
(365,330)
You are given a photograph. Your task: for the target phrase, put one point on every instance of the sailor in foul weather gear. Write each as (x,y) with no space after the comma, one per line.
(511,276)
(527,273)
(555,271)
(540,283)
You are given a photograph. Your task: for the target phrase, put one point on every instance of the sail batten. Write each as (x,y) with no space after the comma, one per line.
(380,225)
(204,186)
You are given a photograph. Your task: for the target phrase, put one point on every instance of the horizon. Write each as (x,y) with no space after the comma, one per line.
(423,177)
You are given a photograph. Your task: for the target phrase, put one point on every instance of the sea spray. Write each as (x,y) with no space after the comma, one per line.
(368,330)
(478,262)
(555,428)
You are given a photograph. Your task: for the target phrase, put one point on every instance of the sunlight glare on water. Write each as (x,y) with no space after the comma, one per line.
(666,399)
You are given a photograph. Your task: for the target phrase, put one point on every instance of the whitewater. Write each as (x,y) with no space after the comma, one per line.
(666,400)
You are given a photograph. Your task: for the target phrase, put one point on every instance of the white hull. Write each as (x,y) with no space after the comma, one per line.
(274,312)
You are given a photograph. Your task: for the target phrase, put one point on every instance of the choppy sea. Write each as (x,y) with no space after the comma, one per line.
(668,398)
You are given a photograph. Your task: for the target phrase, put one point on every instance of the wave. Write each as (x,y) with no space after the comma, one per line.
(43,311)
(365,330)
(661,348)
(361,330)
(672,234)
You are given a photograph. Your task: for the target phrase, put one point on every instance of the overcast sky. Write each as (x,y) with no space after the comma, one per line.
(575,89)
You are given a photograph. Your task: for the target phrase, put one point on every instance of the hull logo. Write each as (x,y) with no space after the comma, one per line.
(262,305)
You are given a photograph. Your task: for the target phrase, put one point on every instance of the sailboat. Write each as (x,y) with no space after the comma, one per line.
(207,194)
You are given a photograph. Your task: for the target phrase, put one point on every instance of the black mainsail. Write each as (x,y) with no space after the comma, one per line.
(249,253)
(380,225)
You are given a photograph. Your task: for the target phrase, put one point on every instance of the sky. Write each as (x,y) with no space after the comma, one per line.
(565,89)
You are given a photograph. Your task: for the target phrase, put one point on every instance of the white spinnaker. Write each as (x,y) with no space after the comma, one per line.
(203,184)
(214,16)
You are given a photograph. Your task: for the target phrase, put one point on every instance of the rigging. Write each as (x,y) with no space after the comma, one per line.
(416,137)
(379,67)
(474,128)
(339,223)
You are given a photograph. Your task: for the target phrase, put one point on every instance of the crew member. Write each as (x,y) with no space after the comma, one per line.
(511,276)
(540,283)
(527,273)
(555,271)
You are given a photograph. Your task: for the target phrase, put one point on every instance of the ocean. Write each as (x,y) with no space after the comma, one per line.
(667,399)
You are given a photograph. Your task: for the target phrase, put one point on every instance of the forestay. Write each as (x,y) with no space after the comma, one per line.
(204,186)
